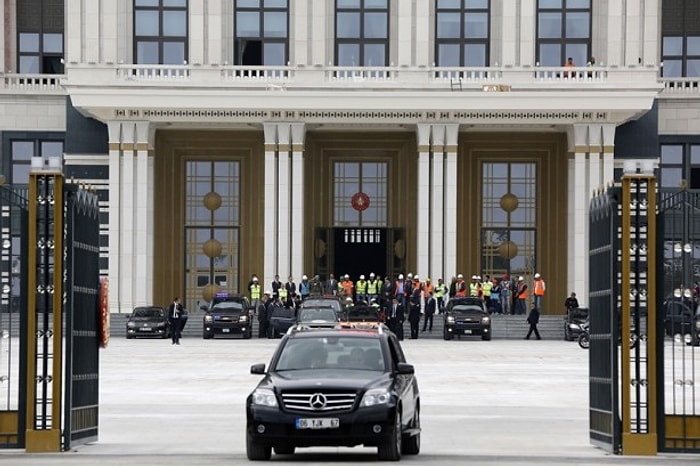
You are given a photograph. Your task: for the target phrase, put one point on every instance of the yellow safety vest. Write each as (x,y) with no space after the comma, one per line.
(255,291)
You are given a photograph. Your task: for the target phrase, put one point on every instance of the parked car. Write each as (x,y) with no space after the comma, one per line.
(466,316)
(148,321)
(317,317)
(324,301)
(227,314)
(574,321)
(338,387)
(682,317)
(280,319)
(361,316)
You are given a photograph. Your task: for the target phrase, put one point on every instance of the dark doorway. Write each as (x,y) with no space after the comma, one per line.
(360,251)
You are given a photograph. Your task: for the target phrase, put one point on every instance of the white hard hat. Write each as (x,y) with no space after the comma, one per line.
(537,275)
(474,277)
(347,276)
(416,278)
(400,276)
(255,279)
(520,278)
(371,274)
(362,277)
(460,276)
(410,275)
(304,277)
(478,277)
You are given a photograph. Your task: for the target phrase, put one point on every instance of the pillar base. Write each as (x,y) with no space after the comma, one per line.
(639,444)
(43,441)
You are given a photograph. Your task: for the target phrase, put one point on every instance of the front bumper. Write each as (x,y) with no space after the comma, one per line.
(467,329)
(146,332)
(219,328)
(365,426)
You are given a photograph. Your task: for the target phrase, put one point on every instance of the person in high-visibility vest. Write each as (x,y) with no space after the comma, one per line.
(255,292)
(361,290)
(373,285)
(460,287)
(520,296)
(486,287)
(538,288)
(441,291)
(475,287)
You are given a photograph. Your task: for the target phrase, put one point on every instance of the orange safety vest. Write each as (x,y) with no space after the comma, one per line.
(539,287)
(428,289)
(461,291)
(522,291)
(347,287)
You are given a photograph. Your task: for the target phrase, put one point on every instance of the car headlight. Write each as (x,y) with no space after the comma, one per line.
(264,397)
(131,324)
(450,320)
(485,320)
(574,327)
(208,318)
(244,318)
(376,396)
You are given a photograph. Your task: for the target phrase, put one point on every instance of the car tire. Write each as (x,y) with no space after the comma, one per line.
(447,336)
(284,450)
(411,443)
(256,451)
(486,336)
(391,449)
(247,336)
(207,336)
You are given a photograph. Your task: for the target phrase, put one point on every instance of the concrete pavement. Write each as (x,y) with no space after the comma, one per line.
(510,402)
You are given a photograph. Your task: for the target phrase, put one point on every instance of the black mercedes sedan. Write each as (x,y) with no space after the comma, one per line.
(148,321)
(338,387)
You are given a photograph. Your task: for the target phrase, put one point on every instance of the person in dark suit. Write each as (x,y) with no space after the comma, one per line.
(533,318)
(176,317)
(430,307)
(414,313)
(395,318)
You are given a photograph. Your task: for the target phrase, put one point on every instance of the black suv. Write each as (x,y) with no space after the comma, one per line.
(466,316)
(227,314)
(341,387)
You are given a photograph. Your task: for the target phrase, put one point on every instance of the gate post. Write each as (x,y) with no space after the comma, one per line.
(44,312)
(638,316)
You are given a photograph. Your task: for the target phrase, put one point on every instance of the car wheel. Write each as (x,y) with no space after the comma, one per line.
(447,336)
(584,340)
(391,449)
(246,336)
(486,336)
(284,450)
(411,443)
(255,451)
(207,336)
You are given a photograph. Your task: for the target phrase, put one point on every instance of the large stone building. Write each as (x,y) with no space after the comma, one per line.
(236,137)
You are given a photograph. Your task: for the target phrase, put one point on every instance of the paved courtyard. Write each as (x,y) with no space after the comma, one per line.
(501,402)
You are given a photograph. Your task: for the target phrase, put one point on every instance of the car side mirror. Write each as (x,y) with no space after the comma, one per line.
(405,368)
(257,368)
(204,308)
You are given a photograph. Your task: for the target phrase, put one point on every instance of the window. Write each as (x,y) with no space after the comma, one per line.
(160,32)
(679,166)
(261,32)
(509,216)
(23,151)
(462,33)
(360,194)
(563,31)
(40,28)
(212,227)
(680,43)
(362,32)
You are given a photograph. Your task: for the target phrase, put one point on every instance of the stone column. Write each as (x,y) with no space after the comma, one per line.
(114,130)
(423,197)
(126,212)
(595,147)
(296,219)
(450,205)
(142,276)
(437,201)
(271,251)
(608,154)
(579,195)
(526,32)
(321,30)
(284,177)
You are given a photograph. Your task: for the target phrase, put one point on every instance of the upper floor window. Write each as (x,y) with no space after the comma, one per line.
(23,151)
(261,32)
(40,27)
(362,32)
(679,166)
(680,43)
(462,32)
(160,32)
(563,32)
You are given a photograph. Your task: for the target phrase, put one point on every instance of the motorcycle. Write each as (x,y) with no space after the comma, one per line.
(584,338)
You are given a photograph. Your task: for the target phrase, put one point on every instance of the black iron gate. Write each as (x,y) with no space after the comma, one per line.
(678,223)
(604,416)
(13,298)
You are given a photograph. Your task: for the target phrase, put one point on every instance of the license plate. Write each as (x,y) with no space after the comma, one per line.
(319,423)
(467,332)
(225,330)
(145,329)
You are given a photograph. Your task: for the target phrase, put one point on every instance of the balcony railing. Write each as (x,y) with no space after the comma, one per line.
(32,83)
(681,87)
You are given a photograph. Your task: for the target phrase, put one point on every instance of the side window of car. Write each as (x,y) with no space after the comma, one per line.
(395,352)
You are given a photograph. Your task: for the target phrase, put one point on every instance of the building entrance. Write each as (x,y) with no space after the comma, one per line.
(360,251)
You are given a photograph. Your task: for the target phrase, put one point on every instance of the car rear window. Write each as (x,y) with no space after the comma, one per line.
(323,313)
(228,306)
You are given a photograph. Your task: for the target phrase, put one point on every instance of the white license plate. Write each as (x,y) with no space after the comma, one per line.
(225,330)
(467,332)
(145,329)
(320,423)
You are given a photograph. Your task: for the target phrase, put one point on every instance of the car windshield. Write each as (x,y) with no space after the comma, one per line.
(342,352)
(228,306)
(321,313)
(281,312)
(579,313)
(148,312)
(461,308)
